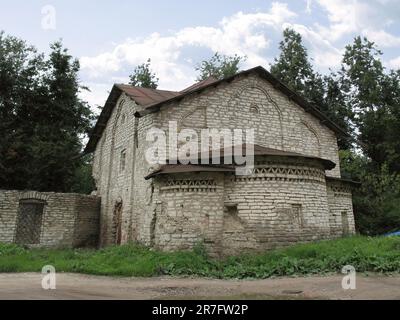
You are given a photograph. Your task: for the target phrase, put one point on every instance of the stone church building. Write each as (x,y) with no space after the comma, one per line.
(294,193)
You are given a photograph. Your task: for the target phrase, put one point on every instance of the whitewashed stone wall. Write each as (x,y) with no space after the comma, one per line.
(283,202)
(251,102)
(246,102)
(115,184)
(189,210)
(340,207)
(69,220)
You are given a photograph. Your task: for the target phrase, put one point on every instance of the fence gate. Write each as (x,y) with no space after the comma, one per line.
(29,222)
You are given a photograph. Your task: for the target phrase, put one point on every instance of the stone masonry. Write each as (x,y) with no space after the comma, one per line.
(49,219)
(284,200)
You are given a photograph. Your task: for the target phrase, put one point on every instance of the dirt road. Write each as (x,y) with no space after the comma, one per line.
(77,286)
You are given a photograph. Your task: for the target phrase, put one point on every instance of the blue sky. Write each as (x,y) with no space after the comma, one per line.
(111,37)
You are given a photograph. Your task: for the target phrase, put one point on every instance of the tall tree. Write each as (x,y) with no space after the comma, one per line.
(44,119)
(374,97)
(335,107)
(20,89)
(143,76)
(294,69)
(219,66)
(292,66)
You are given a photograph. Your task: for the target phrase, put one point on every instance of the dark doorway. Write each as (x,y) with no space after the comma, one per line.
(345,224)
(29,221)
(117,222)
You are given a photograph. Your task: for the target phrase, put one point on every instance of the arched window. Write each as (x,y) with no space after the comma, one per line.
(122,161)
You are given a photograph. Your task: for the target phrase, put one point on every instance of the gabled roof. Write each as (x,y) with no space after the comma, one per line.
(146,96)
(258,151)
(308,107)
(142,96)
(153,99)
(199,84)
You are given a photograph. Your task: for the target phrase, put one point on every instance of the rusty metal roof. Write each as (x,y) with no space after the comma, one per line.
(345,181)
(142,96)
(146,96)
(258,151)
(200,84)
(184,168)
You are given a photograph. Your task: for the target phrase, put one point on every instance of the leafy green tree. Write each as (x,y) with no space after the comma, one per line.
(376,200)
(83,181)
(219,66)
(42,118)
(292,66)
(374,97)
(143,76)
(19,66)
(294,69)
(335,107)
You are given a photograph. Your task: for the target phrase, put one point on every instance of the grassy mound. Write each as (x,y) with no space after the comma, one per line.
(364,253)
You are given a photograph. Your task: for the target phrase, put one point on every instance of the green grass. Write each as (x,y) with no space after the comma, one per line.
(366,254)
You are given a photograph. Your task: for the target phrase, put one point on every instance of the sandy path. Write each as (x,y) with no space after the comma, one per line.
(77,286)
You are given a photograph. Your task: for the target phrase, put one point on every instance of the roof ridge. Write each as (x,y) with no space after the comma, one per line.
(199,84)
(139,87)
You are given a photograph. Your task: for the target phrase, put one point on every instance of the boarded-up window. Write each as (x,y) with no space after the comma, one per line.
(122,162)
(29,223)
(345,224)
(297,213)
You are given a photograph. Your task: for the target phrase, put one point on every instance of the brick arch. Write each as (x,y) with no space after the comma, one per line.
(243,89)
(187,115)
(236,98)
(315,133)
(33,195)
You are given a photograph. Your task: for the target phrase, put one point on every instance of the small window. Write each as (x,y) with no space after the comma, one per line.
(254,109)
(297,214)
(122,161)
(123,118)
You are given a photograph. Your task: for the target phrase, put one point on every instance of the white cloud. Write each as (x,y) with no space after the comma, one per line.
(242,34)
(105,62)
(96,96)
(342,15)
(382,38)
(358,16)
(174,55)
(324,54)
(394,63)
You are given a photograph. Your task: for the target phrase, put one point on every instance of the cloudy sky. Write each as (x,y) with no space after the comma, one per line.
(111,37)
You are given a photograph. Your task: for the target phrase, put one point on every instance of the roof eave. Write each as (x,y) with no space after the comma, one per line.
(103,119)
